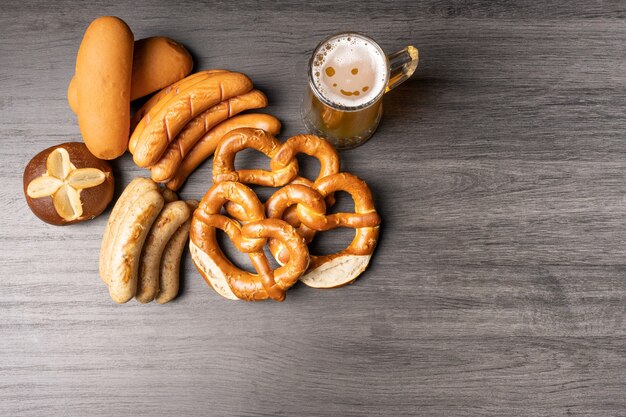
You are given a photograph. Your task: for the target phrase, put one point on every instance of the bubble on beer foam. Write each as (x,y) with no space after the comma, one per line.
(349,71)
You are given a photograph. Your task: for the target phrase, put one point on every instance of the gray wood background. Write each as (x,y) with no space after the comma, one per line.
(499,283)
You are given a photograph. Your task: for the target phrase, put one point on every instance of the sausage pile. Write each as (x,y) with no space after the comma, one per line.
(143,242)
(179,127)
(287,222)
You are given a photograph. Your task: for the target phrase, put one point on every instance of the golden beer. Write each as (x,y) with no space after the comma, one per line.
(348,75)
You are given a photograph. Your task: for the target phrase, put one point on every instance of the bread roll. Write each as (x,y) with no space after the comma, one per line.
(72,98)
(157,63)
(103,79)
(66,184)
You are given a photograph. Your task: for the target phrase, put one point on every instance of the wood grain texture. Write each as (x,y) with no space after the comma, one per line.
(499,284)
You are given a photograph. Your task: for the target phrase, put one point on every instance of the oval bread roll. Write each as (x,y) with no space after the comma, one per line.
(103,76)
(72,95)
(157,63)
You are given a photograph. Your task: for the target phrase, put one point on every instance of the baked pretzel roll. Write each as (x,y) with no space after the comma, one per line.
(225,278)
(334,270)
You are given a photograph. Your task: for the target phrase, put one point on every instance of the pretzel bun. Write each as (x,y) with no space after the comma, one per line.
(157,62)
(103,78)
(66,184)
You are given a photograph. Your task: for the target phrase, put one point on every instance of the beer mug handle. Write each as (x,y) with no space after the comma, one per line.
(402,65)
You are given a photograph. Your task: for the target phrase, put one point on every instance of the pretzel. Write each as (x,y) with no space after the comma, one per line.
(283,164)
(290,203)
(224,277)
(284,204)
(289,215)
(311,145)
(244,138)
(334,270)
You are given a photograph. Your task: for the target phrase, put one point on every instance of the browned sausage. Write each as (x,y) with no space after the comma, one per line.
(167,166)
(206,146)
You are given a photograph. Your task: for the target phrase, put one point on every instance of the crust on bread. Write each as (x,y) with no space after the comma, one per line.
(211,272)
(340,271)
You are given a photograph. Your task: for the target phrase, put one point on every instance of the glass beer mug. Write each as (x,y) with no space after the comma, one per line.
(348,75)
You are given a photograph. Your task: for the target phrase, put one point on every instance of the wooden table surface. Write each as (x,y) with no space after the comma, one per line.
(499,283)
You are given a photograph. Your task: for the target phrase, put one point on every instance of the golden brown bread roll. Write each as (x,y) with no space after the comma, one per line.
(103,77)
(157,62)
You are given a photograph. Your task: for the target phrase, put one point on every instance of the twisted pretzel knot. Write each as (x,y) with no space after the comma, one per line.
(283,163)
(300,204)
(311,215)
(227,279)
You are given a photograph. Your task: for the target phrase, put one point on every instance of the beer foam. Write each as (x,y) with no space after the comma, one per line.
(349,70)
